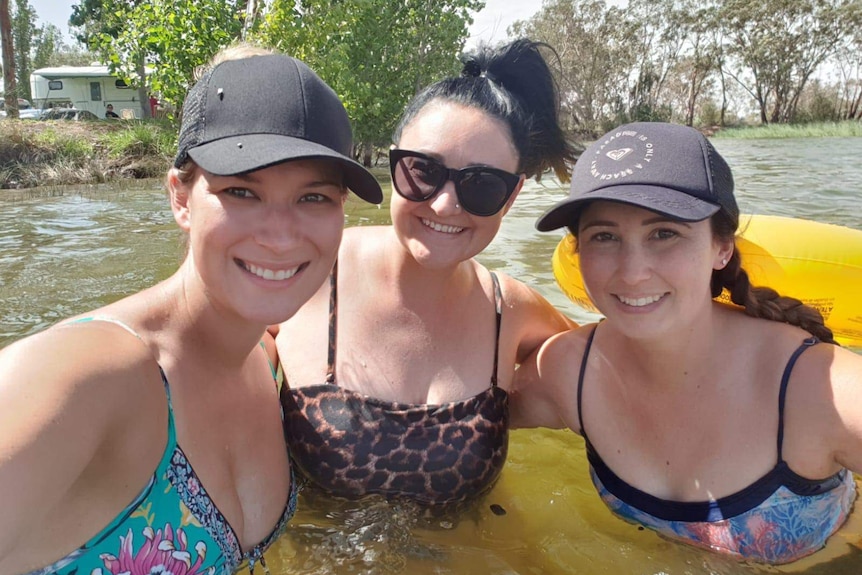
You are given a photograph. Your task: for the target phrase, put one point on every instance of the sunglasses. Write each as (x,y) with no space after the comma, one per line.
(480,190)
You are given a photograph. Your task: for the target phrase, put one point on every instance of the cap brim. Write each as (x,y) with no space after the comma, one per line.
(242,154)
(666,201)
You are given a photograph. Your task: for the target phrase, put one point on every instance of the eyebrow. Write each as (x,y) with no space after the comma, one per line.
(647,222)
(439,160)
(322,182)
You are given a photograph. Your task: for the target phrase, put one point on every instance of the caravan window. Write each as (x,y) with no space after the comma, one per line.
(96,91)
(120,84)
(55,84)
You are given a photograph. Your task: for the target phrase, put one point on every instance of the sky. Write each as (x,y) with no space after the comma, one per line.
(489,24)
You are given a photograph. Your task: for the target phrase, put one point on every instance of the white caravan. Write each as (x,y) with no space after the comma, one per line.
(89,88)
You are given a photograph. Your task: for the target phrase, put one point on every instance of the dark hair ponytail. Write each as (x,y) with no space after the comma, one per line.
(761,302)
(514,84)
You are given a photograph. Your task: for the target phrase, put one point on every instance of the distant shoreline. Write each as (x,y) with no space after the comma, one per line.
(37,154)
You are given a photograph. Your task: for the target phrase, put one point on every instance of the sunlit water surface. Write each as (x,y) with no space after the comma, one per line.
(68,250)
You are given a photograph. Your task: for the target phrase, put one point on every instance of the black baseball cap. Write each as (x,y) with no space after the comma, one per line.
(667,168)
(255,112)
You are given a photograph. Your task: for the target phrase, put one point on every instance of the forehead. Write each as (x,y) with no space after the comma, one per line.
(620,211)
(460,135)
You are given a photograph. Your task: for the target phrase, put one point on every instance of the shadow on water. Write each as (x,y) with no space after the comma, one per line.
(67,250)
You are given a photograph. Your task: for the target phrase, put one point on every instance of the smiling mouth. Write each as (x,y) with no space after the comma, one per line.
(640,301)
(441,228)
(269,274)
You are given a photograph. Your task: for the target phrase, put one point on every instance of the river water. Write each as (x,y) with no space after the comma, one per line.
(67,250)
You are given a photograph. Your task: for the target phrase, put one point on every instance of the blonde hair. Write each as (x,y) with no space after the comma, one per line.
(236,51)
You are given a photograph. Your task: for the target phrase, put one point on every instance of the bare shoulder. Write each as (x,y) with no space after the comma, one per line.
(530,315)
(825,399)
(359,239)
(544,390)
(64,393)
(564,351)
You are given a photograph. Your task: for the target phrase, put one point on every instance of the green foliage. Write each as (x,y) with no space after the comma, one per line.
(376,54)
(780,43)
(846,129)
(592,41)
(710,114)
(65,146)
(140,140)
(173,37)
(23,30)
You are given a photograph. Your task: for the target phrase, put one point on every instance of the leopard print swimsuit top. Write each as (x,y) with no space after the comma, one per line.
(351,445)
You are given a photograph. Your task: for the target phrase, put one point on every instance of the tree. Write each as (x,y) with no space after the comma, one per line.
(8,54)
(657,43)
(23,30)
(592,43)
(173,38)
(848,64)
(696,22)
(374,53)
(780,43)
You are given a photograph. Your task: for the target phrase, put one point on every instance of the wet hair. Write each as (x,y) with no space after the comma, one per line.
(761,302)
(756,301)
(514,84)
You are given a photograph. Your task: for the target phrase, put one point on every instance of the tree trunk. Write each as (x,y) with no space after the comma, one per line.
(143,93)
(367,150)
(250,17)
(11,87)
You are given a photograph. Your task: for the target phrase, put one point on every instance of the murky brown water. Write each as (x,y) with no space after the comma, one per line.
(65,251)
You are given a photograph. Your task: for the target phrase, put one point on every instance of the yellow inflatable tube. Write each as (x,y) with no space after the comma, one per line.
(820,264)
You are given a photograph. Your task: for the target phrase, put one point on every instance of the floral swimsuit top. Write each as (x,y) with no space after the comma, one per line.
(779,518)
(351,445)
(172,526)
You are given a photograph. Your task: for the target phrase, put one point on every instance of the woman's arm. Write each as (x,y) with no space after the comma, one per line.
(544,392)
(60,401)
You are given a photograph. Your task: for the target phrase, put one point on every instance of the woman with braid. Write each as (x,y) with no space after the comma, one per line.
(731,427)
(399,368)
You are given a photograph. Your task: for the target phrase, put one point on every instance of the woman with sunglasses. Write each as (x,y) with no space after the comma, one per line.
(398,370)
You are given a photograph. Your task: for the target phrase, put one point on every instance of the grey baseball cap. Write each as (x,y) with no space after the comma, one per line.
(667,168)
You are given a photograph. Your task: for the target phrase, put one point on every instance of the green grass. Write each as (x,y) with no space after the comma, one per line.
(141,139)
(847,129)
(58,153)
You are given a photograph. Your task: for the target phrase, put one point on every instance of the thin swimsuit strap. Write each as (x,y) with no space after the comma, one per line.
(581,382)
(782,394)
(785,379)
(209,509)
(333,324)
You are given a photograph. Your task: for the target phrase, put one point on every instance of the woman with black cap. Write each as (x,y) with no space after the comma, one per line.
(398,370)
(147,435)
(731,427)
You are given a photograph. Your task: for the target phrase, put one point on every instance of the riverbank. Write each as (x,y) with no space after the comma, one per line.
(55,153)
(847,129)
(61,153)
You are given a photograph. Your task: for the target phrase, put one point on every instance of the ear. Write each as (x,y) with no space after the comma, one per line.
(179,195)
(723,255)
(514,195)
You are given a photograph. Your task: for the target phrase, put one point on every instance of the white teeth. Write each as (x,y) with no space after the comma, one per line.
(268,274)
(441,228)
(639,302)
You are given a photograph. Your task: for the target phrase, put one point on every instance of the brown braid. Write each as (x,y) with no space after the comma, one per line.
(763,302)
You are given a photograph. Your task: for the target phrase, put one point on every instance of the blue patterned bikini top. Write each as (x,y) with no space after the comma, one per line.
(171,526)
(779,518)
